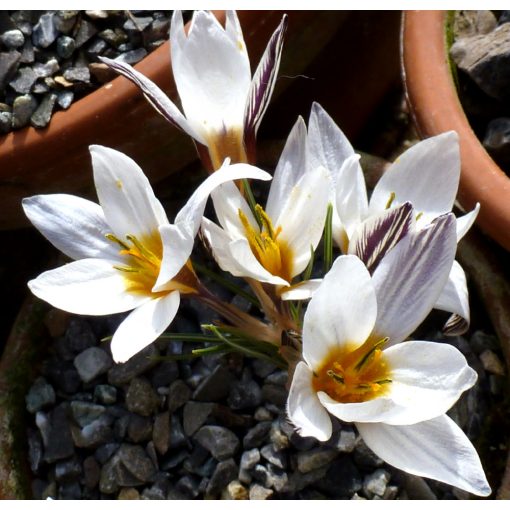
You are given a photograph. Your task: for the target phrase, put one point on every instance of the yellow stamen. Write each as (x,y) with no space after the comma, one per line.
(272,253)
(350,375)
(390,200)
(227,143)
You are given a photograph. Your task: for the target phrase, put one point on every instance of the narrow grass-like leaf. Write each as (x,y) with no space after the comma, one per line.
(251,201)
(328,240)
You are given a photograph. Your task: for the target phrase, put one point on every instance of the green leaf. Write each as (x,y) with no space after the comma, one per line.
(328,240)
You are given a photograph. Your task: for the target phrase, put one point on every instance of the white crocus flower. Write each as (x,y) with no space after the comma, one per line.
(357,368)
(222,104)
(278,246)
(127,254)
(425,176)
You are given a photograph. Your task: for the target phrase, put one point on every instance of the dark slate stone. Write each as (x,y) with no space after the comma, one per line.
(244,395)
(92,362)
(65,46)
(161,432)
(132,57)
(188,485)
(222,443)
(105,451)
(27,53)
(5,122)
(276,457)
(71,490)
(249,459)
(136,461)
(141,397)
(177,437)
(257,435)
(42,115)
(215,386)
(274,394)
(60,441)
(262,368)
(165,373)
(278,377)
(195,414)
(48,68)
(8,66)
(122,373)
(68,470)
(81,74)
(96,433)
(24,80)
(200,463)
(365,457)
(312,459)
(91,472)
(35,450)
(45,32)
(65,20)
(84,413)
(114,37)
(79,335)
(178,394)
(277,478)
(342,479)
(105,394)
(139,428)
(137,24)
(85,31)
(40,395)
(225,472)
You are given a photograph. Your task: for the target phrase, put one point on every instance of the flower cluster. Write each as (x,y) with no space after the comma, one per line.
(347,354)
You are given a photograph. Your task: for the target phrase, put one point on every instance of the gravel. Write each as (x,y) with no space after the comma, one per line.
(43,53)
(151,429)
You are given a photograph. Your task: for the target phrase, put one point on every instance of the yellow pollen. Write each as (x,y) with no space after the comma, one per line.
(272,253)
(143,262)
(118,182)
(351,375)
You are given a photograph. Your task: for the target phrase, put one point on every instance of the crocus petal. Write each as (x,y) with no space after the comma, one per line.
(303,216)
(410,278)
(465,222)
(193,211)
(88,287)
(156,97)
(436,449)
(212,75)
(328,146)
(304,408)
(427,379)
(236,256)
(143,325)
(351,201)
(301,290)
(228,201)
(178,243)
(427,175)
(263,81)
(125,194)
(454,299)
(291,167)
(379,233)
(342,311)
(75,226)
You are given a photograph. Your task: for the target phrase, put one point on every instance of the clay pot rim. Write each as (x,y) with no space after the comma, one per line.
(435,107)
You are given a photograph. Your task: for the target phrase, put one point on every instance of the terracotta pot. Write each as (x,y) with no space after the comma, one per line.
(56,159)
(436,108)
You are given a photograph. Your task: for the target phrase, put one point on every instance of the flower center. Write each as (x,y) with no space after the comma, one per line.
(143,261)
(272,253)
(353,376)
(228,143)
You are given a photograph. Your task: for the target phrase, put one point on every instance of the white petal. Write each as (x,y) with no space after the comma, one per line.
(410,278)
(428,378)
(343,310)
(212,75)
(301,290)
(465,222)
(193,211)
(125,194)
(328,146)
(454,297)
(291,167)
(178,243)
(263,81)
(143,325)
(75,226)
(156,97)
(427,175)
(228,201)
(236,256)
(350,196)
(304,408)
(177,34)
(436,449)
(88,287)
(303,216)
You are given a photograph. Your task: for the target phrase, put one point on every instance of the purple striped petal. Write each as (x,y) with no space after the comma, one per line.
(263,81)
(379,234)
(156,97)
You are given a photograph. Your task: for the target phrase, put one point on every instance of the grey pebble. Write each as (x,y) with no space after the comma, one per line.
(84,413)
(221,442)
(195,414)
(9,61)
(141,397)
(135,460)
(5,122)
(161,432)
(178,394)
(105,394)
(375,483)
(81,74)
(177,437)
(225,472)
(45,31)
(214,386)
(122,373)
(312,459)
(276,457)
(68,470)
(65,46)
(85,31)
(24,80)
(40,395)
(93,361)
(249,459)
(259,492)
(42,114)
(59,443)
(139,428)
(13,38)
(257,435)
(22,109)
(132,57)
